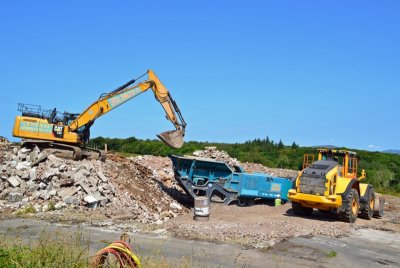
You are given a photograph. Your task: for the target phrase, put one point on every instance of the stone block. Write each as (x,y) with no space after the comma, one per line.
(13,181)
(15,197)
(102,177)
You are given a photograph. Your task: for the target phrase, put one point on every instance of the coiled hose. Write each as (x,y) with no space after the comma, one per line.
(122,253)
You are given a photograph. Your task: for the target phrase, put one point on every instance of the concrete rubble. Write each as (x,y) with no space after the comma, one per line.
(118,187)
(213,153)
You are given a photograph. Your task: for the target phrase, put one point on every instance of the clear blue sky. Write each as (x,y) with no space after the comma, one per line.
(314,72)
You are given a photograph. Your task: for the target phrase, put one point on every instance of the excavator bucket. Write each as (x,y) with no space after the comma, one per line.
(172,138)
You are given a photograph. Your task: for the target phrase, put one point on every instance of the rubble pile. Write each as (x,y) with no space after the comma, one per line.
(276,172)
(30,178)
(213,153)
(161,167)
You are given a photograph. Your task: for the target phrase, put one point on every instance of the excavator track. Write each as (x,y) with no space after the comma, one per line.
(65,151)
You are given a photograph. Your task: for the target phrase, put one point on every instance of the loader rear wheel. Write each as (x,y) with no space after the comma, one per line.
(367,209)
(299,210)
(352,208)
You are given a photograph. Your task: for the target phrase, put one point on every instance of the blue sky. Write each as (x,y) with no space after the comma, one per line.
(314,72)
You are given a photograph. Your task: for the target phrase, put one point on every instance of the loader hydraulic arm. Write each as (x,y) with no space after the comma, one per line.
(126,92)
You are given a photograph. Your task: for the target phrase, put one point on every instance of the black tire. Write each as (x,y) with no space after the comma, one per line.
(367,208)
(299,210)
(352,206)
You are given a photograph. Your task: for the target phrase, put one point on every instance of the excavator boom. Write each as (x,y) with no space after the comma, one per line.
(110,101)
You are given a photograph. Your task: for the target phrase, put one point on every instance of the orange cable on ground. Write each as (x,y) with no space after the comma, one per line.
(121,251)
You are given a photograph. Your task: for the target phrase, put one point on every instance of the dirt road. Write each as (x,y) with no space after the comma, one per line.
(364,248)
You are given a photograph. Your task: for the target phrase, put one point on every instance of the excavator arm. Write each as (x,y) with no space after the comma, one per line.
(126,92)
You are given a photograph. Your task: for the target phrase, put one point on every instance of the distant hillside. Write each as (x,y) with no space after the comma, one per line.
(391,151)
(383,169)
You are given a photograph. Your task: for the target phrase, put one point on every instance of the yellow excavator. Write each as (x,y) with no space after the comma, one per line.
(65,135)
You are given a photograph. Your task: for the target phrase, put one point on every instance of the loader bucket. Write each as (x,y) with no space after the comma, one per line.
(172,138)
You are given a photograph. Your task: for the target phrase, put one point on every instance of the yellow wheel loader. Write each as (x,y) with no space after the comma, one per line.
(65,135)
(331,184)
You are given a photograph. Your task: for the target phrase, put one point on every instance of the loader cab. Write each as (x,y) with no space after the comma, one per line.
(347,161)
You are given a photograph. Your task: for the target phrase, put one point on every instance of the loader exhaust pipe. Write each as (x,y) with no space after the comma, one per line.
(172,138)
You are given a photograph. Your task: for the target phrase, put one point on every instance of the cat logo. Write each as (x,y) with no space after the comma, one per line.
(58,131)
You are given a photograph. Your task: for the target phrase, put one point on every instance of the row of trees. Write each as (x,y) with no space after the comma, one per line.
(383,170)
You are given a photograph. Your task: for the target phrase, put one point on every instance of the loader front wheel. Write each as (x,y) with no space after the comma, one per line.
(367,209)
(299,210)
(352,208)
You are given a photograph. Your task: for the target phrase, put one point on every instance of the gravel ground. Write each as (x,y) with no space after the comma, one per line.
(264,225)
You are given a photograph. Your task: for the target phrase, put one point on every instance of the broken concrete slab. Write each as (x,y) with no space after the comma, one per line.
(15,197)
(60,205)
(175,206)
(68,191)
(102,177)
(32,173)
(84,187)
(71,200)
(13,181)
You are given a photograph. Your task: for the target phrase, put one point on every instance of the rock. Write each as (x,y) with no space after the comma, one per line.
(92,181)
(32,186)
(52,193)
(81,174)
(37,207)
(13,181)
(25,150)
(165,214)
(54,159)
(60,205)
(42,186)
(15,197)
(25,174)
(4,176)
(34,155)
(90,199)
(84,187)
(21,156)
(68,192)
(102,177)
(71,200)
(68,182)
(22,165)
(32,173)
(266,244)
(62,168)
(159,222)
(175,206)
(41,157)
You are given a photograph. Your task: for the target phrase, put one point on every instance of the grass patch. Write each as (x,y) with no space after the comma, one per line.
(51,206)
(50,250)
(27,210)
(331,254)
